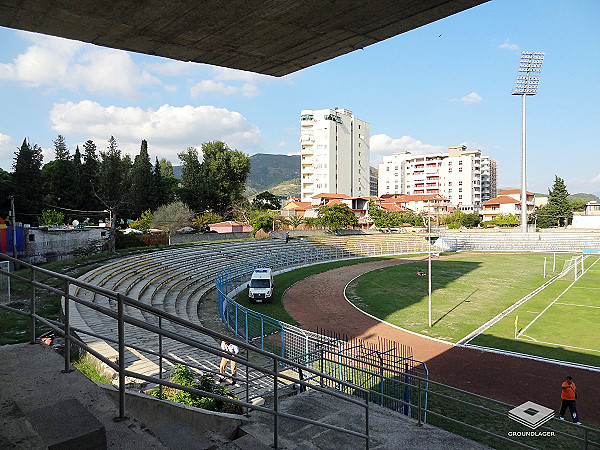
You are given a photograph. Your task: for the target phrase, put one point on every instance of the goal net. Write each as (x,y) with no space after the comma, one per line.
(573,267)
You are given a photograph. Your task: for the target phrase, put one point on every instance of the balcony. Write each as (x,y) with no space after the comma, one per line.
(307,139)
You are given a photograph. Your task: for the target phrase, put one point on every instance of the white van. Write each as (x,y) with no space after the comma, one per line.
(261,286)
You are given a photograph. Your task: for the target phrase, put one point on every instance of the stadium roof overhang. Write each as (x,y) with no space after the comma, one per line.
(268,37)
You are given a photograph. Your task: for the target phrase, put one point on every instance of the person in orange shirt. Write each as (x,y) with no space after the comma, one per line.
(568,396)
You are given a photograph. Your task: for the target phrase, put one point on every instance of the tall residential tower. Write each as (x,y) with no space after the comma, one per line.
(335,153)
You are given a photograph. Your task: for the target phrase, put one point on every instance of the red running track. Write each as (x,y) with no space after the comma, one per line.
(319,301)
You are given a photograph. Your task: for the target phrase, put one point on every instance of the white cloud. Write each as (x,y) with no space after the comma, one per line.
(229,82)
(282,144)
(384,145)
(170,68)
(293,154)
(205,86)
(169,129)
(507,45)
(596,179)
(473,97)
(64,64)
(7,151)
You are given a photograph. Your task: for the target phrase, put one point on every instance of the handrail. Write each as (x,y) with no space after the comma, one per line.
(119,366)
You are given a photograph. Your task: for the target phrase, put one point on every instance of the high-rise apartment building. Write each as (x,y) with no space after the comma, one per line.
(461,177)
(489,183)
(335,153)
(457,175)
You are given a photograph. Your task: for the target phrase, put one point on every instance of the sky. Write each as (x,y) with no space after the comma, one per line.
(444,84)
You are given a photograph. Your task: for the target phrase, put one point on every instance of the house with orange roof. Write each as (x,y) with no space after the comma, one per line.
(294,207)
(434,204)
(507,202)
(358,205)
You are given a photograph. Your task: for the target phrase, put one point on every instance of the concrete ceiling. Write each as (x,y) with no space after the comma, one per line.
(273,37)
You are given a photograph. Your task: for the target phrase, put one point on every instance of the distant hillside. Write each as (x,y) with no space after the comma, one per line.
(267,171)
(586,197)
(290,188)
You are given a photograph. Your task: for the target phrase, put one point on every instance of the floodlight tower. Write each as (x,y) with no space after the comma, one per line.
(527,82)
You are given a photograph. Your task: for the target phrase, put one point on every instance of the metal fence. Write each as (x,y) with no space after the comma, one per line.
(387,370)
(122,319)
(383,368)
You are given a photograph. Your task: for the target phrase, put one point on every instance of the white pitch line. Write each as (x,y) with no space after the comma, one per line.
(555,300)
(573,304)
(561,345)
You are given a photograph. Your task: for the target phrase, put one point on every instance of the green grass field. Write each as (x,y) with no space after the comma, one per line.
(468,291)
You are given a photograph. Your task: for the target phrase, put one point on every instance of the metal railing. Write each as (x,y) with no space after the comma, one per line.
(475,415)
(162,325)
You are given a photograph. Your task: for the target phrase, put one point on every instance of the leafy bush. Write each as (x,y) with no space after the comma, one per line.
(185,377)
(51,217)
(172,217)
(143,222)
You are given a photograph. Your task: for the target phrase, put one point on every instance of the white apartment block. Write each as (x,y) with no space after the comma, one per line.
(461,178)
(335,153)
(457,175)
(489,178)
(391,174)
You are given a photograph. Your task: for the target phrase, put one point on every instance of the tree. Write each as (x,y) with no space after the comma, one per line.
(578,204)
(266,200)
(558,207)
(295,221)
(143,222)
(59,178)
(164,184)
(27,180)
(90,172)
(191,180)
(113,186)
(202,221)
(143,189)
(262,221)
(223,175)
(337,216)
(172,217)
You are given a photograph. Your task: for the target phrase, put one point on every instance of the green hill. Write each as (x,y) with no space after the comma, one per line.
(268,171)
(586,197)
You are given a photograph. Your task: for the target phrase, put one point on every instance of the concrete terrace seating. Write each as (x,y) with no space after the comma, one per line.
(173,280)
(515,241)
(373,244)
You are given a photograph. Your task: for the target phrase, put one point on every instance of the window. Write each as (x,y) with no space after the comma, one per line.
(31,237)
(460,163)
(387,169)
(460,169)
(459,189)
(460,197)
(450,169)
(449,183)
(460,183)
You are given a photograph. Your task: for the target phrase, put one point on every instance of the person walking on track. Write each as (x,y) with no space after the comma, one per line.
(568,396)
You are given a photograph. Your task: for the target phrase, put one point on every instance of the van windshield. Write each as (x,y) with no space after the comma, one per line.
(260,283)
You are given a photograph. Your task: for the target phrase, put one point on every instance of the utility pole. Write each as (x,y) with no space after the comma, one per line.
(14,226)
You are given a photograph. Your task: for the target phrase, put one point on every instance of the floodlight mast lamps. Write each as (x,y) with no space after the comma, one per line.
(528,78)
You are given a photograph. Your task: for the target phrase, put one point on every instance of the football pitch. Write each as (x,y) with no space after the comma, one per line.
(479,292)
